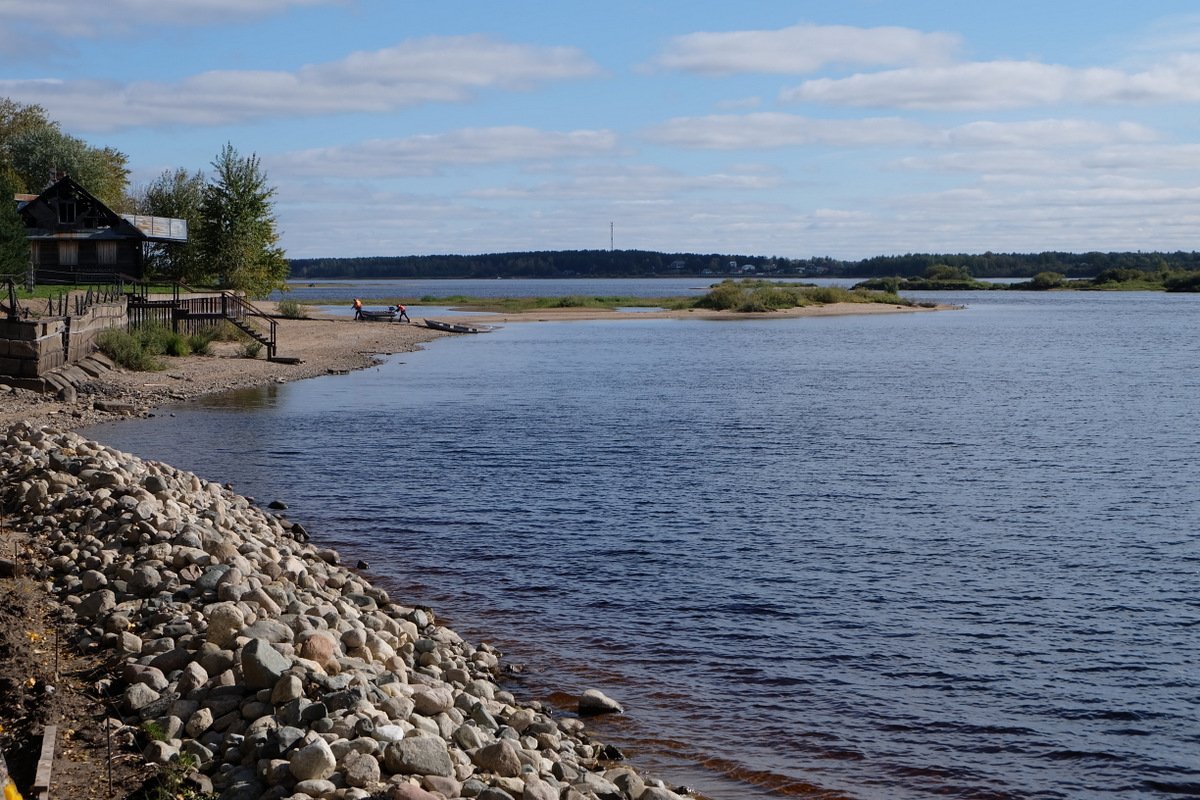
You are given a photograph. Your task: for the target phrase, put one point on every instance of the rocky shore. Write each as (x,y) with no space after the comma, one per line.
(251,664)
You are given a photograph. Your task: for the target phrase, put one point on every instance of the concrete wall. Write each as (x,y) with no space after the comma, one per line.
(31,348)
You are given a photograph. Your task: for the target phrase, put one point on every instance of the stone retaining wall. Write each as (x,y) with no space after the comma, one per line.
(31,348)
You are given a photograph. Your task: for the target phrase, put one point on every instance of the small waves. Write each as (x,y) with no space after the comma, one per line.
(868,558)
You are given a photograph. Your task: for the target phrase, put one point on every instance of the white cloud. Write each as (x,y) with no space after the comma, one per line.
(431,154)
(91,19)
(770,130)
(1047,134)
(635,184)
(432,69)
(1005,84)
(804,48)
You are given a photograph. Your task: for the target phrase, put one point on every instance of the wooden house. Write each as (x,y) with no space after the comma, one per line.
(75,238)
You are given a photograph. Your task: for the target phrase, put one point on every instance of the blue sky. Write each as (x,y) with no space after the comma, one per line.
(817,128)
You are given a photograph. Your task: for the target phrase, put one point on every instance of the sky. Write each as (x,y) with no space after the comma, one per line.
(810,128)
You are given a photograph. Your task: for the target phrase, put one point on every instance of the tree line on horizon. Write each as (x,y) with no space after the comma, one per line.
(647,263)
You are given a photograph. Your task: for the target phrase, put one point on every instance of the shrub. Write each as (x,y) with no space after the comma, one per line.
(1046,280)
(292,309)
(201,341)
(726,294)
(251,348)
(128,350)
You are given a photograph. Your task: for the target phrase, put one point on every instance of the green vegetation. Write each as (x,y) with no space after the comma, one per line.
(936,277)
(139,349)
(744,296)
(238,236)
(759,296)
(33,147)
(292,309)
(14,247)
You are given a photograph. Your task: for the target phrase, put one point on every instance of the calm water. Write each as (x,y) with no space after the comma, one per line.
(909,556)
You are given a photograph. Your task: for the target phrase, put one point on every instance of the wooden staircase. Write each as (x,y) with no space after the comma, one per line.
(198,310)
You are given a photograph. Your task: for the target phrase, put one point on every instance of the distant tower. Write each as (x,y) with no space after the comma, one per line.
(611,238)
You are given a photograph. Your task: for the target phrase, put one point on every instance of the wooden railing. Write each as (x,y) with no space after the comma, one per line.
(199,310)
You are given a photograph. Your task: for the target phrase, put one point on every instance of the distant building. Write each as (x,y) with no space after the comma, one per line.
(75,238)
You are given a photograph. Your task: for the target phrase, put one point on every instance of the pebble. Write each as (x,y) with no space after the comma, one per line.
(280,671)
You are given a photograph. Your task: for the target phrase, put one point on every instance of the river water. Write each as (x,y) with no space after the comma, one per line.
(944,554)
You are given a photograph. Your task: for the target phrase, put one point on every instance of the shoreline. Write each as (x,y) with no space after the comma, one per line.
(325,344)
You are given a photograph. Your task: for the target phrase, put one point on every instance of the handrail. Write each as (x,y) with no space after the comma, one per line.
(222,303)
(244,308)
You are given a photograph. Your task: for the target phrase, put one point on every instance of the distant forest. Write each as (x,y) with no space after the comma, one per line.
(645,263)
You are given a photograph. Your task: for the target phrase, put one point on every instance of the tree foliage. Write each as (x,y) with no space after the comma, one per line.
(238,238)
(178,194)
(34,149)
(14,247)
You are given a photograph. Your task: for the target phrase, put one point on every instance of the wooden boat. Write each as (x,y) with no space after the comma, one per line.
(452,327)
(376,316)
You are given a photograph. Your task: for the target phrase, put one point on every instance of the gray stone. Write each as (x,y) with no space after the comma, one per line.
(593,701)
(360,769)
(97,604)
(139,696)
(225,622)
(312,761)
(262,664)
(500,758)
(431,701)
(192,677)
(287,689)
(418,755)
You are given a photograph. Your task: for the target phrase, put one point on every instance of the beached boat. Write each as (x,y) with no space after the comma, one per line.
(452,327)
(376,316)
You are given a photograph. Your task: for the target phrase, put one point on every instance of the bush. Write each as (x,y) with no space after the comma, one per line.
(291,309)
(1046,280)
(201,341)
(251,348)
(128,350)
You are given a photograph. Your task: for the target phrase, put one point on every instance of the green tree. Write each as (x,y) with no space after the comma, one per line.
(14,247)
(238,237)
(945,272)
(38,154)
(179,194)
(17,119)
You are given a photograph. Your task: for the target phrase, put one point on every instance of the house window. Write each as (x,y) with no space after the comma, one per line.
(68,254)
(106,253)
(66,211)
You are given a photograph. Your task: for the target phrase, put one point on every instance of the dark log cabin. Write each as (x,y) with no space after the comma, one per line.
(75,238)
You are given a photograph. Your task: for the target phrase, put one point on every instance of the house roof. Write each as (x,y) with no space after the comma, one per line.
(118,226)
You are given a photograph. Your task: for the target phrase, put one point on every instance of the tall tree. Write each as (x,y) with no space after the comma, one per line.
(238,236)
(39,154)
(179,194)
(14,247)
(33,149)
(17,119)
